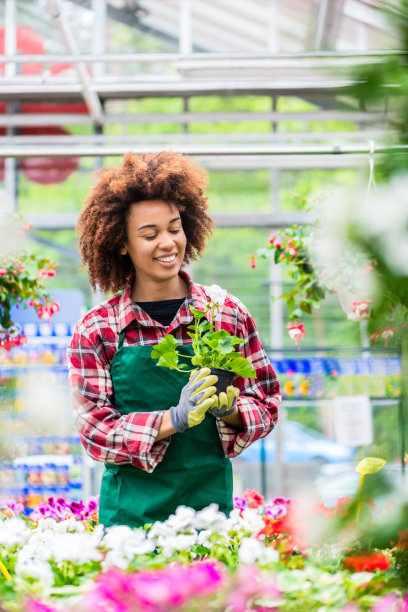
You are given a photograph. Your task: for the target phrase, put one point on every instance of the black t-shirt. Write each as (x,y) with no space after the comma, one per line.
(163,311)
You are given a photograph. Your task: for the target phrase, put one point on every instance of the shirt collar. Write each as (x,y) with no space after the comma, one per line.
(129,311)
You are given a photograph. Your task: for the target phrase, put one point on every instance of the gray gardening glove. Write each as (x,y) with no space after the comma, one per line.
(197,396)
(225,402)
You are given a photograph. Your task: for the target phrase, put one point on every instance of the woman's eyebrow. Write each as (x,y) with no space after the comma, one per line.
(142,227)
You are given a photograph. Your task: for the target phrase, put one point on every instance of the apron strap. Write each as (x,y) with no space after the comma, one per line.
(121,338)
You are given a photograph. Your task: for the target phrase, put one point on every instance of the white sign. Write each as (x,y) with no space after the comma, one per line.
(352,419)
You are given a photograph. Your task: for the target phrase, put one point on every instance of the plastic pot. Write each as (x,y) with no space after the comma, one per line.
(225,378)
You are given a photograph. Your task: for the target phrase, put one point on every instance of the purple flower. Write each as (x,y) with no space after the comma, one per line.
(240,503)
(387,603)
(275,510)
(280,501)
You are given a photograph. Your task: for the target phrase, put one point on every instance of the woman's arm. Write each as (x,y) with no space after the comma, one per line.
(259,398)
(105,434)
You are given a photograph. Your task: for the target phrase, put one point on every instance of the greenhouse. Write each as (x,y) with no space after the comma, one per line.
(218,188)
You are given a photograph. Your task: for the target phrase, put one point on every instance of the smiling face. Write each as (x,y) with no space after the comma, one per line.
(156,244)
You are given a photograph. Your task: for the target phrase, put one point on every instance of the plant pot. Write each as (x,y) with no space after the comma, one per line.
(225,378)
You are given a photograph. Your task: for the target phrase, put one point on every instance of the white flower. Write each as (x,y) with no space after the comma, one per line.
(36,570)
(46,523)
(34,551)
(360,577)
(70,525)
(208,537)
(160,529)
(13,532)
(250,550)
(268,555)
(250,521)
(177,542)
(79,548)
(216,294)
(211,518)
(124,544)
(182,519)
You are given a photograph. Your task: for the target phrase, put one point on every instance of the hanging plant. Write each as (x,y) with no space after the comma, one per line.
(22,278)
(349,251)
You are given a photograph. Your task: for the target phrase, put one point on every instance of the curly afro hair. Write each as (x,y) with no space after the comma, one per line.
(102,222)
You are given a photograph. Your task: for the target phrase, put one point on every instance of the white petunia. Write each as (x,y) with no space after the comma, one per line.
(46,523)
(182,519)
(35,570)
(216,294)
(250,550)
(13,532)
(160,529)
(208,538)
(176,543)
(211,518)
(250,521)
(79,548)
(124,544)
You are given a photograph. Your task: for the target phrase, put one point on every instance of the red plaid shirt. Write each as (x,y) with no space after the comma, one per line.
(114,438)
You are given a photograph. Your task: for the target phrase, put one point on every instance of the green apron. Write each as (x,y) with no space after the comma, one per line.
(193,472)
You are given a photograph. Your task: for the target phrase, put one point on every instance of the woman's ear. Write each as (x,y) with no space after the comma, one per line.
(123,251)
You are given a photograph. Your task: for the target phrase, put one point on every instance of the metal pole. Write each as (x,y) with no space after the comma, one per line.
(10,165)
(99,34)
(90,97)
(185,31)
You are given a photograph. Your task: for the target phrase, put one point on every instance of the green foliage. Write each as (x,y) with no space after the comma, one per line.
(212,349)
(289,248)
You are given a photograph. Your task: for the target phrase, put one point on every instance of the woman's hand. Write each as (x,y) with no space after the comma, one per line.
(196,398)
(226,403)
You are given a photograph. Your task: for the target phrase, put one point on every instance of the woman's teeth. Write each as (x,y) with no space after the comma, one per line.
(166,259)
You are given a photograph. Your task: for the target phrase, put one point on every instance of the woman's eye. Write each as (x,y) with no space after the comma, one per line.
(150,237)
(174,231)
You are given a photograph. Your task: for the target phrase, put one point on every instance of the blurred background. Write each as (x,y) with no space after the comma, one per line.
(265,94)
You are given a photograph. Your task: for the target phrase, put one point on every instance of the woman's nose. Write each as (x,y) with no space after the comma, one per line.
(166,240)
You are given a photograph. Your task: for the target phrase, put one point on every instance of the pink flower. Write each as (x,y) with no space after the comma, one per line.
(54,307)
(296,333)
(383,334)
(3,271)
(240,503)
(42,272)
(51,272)
(361,310)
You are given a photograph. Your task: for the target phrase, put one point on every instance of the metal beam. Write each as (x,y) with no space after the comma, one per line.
(266,138)
(205,150)
(89,94)
(312,59)
(33,119)
(59,221)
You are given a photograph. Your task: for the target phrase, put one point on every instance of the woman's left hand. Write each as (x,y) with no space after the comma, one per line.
(225,403)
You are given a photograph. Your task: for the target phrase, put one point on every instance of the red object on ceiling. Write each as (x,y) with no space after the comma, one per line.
(43,170)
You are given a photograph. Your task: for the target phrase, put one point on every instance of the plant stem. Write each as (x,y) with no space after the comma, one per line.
(359,498)
(4,571)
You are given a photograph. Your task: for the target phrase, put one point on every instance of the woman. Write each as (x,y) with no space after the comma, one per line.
(165,441)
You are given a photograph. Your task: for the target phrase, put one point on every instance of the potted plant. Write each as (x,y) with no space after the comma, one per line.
(212,349)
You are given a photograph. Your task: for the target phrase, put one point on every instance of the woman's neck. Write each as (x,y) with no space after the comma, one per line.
(155,292)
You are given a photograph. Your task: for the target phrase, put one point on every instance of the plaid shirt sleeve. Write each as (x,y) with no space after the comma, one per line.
(105,434)
(259,397)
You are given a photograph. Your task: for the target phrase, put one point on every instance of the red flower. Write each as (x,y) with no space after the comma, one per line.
(253,498)
(367,562)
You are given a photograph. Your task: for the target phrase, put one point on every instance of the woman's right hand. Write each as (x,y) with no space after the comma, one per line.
(197,396)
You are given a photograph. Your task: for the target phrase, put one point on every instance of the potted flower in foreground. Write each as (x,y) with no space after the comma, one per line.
(212,349)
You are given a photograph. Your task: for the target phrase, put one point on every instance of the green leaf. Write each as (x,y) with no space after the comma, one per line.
(166,345)
(168,360)
(197,313)
(242,367)
(226,345)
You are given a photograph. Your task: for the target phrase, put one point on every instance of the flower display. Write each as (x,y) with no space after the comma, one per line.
(59,559)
